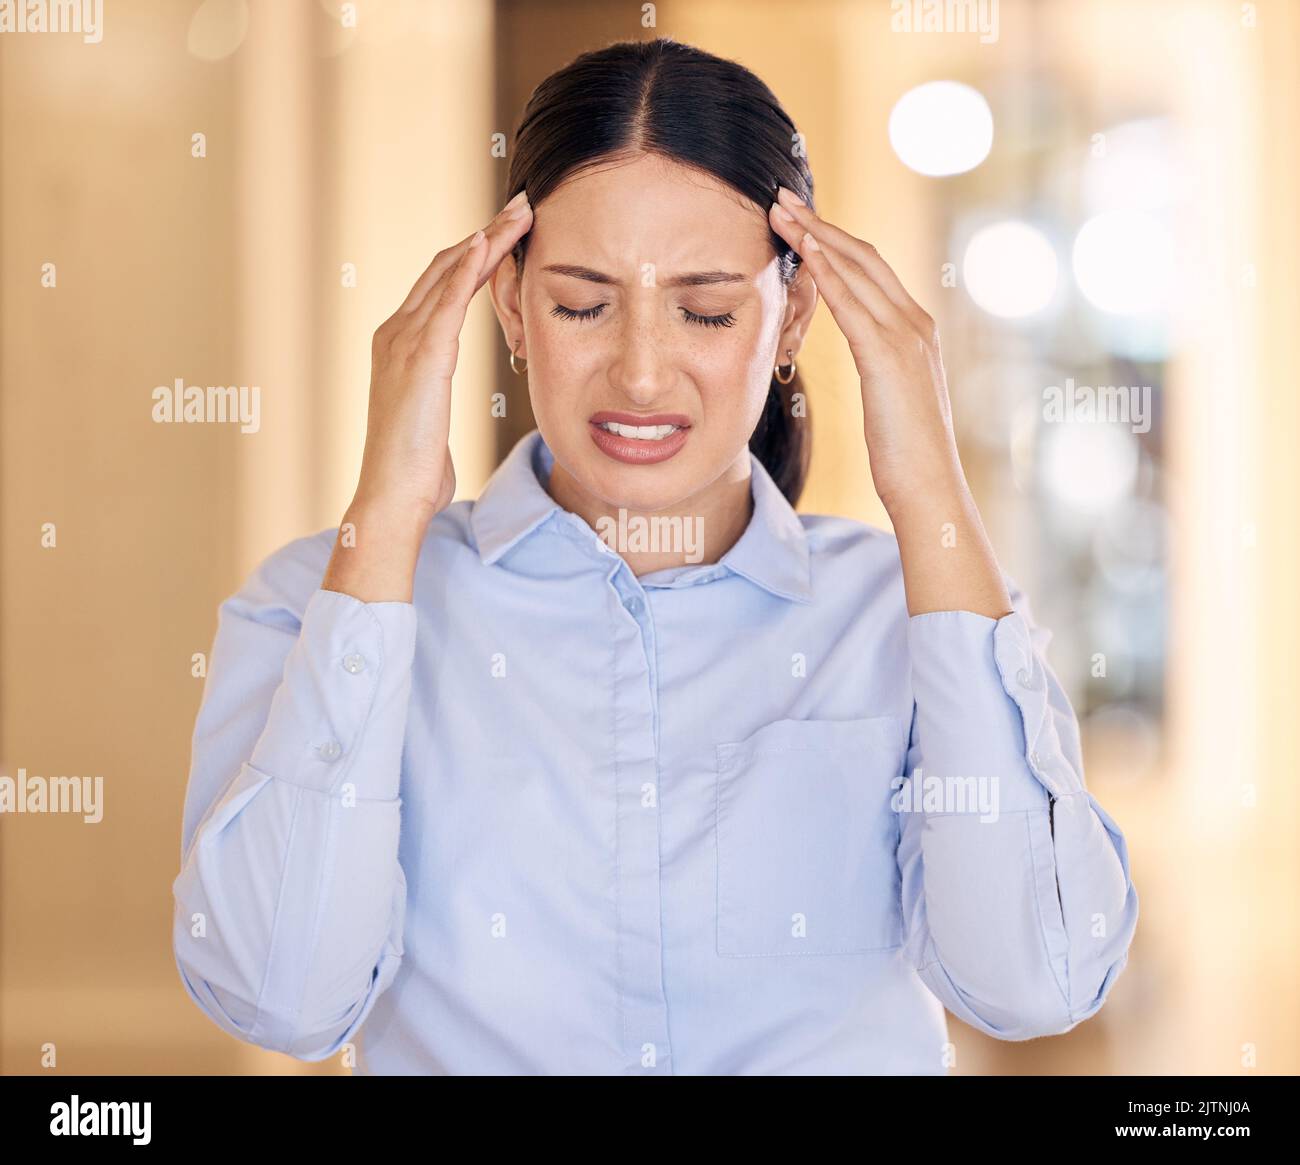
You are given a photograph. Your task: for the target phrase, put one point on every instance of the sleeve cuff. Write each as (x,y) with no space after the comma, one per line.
(982,705)
(339,714)
(1027,680)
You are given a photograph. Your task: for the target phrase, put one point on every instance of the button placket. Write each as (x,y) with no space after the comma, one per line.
(629,592)
(644,1011)
(1027,676)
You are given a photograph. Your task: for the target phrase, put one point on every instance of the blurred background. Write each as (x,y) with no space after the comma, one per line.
(1097,201)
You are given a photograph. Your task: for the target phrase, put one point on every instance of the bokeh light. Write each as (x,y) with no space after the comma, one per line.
(1010,269)
(941,128)
(217,29)
(1088,466)
(1123,262)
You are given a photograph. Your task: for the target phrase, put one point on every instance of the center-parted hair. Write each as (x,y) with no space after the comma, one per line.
(671,99)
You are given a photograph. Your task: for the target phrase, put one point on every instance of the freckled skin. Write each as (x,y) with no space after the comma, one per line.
(640,344)
(642,222)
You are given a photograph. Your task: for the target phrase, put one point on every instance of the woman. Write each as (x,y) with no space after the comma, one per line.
(626,767)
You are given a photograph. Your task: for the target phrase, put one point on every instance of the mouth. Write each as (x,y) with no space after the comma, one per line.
(636,440)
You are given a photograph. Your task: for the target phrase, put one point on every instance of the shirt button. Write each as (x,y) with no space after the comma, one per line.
(330,750)
(1025,678)
(1035,761)
(634,605)
(354,663)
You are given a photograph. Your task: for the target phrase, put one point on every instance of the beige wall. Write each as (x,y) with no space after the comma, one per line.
(96,176)
(328,146)
(221,270)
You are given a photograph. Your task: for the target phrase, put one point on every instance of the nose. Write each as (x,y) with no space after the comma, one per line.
(640,370)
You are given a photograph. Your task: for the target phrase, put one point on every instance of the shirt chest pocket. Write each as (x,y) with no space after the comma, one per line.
(807,839)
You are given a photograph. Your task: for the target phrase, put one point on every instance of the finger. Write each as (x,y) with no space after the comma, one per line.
(850,313)
(865,253)
(885,276)
(431,274)
(443,313)
(443,260)
(865,289)
(500,237)
(827,262)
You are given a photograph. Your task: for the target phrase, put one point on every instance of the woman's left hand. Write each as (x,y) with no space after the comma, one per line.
(948,564)
(907,421)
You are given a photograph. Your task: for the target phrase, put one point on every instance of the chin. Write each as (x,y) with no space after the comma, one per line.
(647,487)
(635,487)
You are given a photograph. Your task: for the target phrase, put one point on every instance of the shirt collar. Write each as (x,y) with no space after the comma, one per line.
(772,552)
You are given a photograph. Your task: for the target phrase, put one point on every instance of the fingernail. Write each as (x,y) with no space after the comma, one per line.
(781,213)
(790,196)
(478,238)
(808,243)
(518,198)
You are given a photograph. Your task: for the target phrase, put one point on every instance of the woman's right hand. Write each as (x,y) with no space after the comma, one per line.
(407,474)
(407,464)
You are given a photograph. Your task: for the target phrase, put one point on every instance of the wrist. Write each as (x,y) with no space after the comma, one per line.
(941,489)
(388,519)
(376,553)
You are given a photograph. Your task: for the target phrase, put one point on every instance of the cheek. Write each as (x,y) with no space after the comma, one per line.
(558,358)
(732,377)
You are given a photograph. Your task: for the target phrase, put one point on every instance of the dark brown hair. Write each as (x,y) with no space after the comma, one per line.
(668,98)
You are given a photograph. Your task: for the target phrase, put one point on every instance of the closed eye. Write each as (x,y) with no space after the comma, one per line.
(722,321)
(568,313)
(590,313)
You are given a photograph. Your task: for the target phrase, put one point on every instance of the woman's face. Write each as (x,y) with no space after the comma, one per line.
(650,298)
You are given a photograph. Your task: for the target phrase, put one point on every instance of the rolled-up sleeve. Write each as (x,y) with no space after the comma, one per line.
(290,900)
(1018,902)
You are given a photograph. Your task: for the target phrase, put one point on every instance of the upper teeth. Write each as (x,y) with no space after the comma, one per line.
(639,432)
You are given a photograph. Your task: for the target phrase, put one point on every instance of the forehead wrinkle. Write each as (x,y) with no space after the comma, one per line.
(686,279)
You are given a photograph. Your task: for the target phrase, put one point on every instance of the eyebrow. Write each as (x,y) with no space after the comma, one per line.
(690,279)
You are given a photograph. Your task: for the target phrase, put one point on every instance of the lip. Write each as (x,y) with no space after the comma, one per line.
(631,451)
(679,419)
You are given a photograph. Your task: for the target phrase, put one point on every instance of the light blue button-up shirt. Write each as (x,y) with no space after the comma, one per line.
(746,817)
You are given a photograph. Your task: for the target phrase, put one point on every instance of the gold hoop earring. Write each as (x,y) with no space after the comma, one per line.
(514,366)
(777,370)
